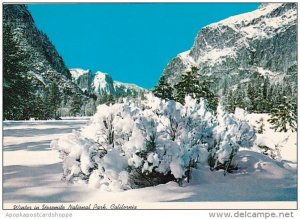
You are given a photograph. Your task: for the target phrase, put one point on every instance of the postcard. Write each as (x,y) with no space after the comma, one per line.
(149,105)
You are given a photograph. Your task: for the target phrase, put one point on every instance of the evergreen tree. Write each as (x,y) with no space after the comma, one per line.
(236,98)
(261,89)
(105,98)
(90,107)
(241,99)
(75,105)
(51,101)
(205,92)
(225,88)
(55,99)
(163,89)
(191,85)
(259,94)
(254,94)
(188,85)
(284,115)
(110,99)
(38,110)
(46,102)
(229,102)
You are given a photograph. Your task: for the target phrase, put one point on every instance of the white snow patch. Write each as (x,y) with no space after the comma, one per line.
(39,77)
(187,59)
(286,141)
(217,56)
(77,72)
(265,72)
(31,158)
(100,83)
(265,27)
(127,86)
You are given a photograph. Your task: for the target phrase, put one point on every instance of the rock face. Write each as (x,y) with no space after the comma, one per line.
(45,64)
(100,83)
(231,51)
(83,78)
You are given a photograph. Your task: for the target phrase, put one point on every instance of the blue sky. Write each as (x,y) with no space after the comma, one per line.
(131,42)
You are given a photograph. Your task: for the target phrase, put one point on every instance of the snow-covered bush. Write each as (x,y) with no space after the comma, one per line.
(149,141)
(231,132)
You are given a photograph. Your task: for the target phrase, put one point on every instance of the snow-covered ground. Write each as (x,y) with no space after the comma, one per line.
(283,144)
(32,172)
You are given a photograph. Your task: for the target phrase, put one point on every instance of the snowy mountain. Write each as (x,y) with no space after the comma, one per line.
(37,83)
(243,47)
(41,57)
(100,83)
(32,66)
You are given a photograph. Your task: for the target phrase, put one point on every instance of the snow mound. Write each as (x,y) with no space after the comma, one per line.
(250,162)
(149,141)
(279,145)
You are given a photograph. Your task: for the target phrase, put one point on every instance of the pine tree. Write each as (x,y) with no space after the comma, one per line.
(191,85)
(284,116)
(188,85)
(261,89)
(206,93)
(110,99)
(46,102)
(259,94)
(75,105)
(251,93)
(242,101)
(225,88)
(229,102)
(163,89)
(105,98)
(55,99)
(38,110)
(236,98)
(51,101)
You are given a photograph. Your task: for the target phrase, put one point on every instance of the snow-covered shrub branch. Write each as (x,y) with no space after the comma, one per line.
(150,141)
(230,133)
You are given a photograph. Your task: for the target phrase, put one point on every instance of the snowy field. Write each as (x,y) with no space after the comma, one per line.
(32,172)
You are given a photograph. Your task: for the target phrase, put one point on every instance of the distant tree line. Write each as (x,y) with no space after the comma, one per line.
(258,95)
